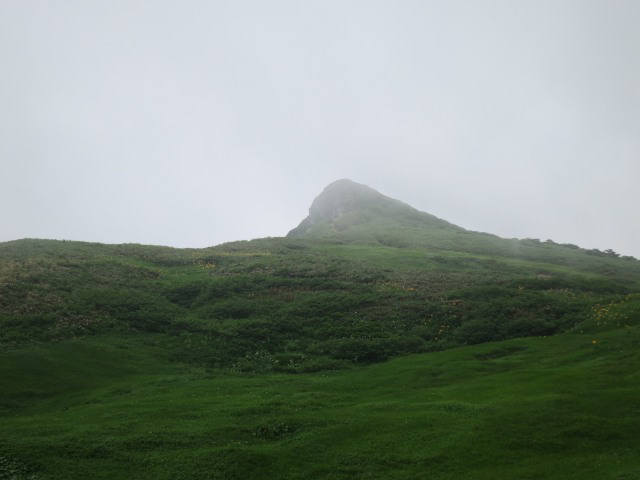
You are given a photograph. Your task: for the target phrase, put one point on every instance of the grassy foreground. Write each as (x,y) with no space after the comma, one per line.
(566,406)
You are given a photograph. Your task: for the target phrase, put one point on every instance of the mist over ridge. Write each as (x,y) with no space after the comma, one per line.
(520,120)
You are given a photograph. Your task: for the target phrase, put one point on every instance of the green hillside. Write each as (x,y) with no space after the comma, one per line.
(374,341)
(561,407)
(349,212)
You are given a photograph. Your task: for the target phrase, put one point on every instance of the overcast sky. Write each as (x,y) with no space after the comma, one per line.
(191,123)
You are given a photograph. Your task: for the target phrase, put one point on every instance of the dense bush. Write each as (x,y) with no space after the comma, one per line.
(294,305)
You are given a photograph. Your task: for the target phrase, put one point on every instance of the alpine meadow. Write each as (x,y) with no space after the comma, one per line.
(374,341)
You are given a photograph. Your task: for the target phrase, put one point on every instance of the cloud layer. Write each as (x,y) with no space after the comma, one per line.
(193,123)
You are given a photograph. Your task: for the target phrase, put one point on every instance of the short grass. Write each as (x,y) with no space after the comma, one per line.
(560,407)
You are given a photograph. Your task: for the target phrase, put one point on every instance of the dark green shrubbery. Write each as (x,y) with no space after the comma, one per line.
(291,305)
(368,350)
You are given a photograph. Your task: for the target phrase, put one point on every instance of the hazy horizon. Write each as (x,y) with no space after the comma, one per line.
(195,123)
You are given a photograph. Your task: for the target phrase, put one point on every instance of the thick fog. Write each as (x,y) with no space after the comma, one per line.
(191,123)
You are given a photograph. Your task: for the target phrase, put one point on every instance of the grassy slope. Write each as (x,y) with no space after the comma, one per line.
(323,302)
(348,212)
(125,361)
(557,407)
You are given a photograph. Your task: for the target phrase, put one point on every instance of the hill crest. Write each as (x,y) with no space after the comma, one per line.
(344,204)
